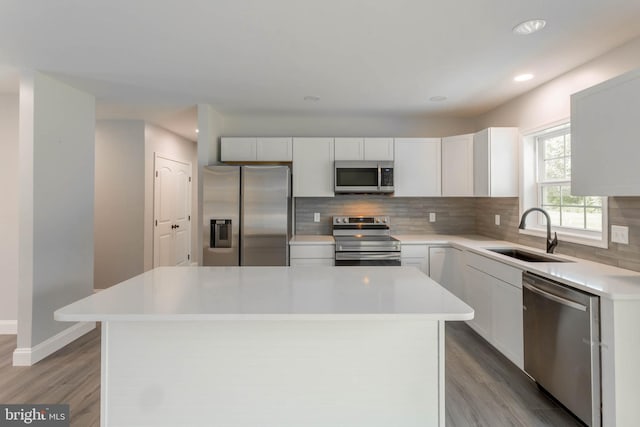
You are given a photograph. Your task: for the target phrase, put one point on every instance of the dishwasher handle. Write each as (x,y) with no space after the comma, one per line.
(555,298)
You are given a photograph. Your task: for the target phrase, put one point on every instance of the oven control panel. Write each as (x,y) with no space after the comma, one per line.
(363,220)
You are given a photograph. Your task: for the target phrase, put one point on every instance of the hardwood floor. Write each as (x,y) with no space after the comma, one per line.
(483,388)
(71,375)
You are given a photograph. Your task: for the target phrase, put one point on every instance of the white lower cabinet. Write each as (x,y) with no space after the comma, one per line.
(446,268)
(415,256)
(494,291)
(506,322)
(478,296)
(311,255)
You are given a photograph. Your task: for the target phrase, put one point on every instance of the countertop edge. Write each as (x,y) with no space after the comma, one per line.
(61,317)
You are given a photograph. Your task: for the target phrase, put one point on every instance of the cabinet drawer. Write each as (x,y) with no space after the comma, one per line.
(297,262)
(501,271)
(414,251)
(312,251)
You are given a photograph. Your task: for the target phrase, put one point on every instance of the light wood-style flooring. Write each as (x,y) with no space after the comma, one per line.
(71,375)
(483,388)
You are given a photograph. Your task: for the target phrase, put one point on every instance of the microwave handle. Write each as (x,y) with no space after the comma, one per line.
(379,176)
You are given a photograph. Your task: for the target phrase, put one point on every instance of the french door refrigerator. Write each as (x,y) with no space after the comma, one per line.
(246,215)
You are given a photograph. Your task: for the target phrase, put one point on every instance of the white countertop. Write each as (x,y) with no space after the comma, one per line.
(600,279)
(271,293)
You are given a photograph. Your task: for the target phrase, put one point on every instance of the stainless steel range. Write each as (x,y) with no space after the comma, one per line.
(364,240)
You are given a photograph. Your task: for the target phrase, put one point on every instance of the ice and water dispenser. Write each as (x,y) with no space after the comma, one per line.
(220,233)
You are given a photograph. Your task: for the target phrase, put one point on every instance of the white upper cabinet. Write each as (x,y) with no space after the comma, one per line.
(605,145)
(417,167)
(313,167)
(275,149)
(239,149)
(378,149)
(349,148)
(457,165)
(256,149)
(495,162)
(364,148)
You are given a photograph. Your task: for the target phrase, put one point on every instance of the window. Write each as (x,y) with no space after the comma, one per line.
(580,219)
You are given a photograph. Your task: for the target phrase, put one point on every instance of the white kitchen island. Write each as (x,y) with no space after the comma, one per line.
(272,346)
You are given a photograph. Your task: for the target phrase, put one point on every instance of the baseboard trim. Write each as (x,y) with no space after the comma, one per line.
(27,356)
(8,327)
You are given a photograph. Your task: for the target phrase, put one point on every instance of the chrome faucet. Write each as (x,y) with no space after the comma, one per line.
(551,243)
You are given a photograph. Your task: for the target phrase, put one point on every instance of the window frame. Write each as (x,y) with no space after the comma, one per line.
(531,191)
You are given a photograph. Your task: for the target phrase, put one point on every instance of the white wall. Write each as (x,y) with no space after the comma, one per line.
(9,213)
(210,126)
(161,141)
(550,102)
(56,184)
(119,201)
(345,125)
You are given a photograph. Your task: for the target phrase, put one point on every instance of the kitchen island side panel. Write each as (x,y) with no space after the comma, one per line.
(274,373)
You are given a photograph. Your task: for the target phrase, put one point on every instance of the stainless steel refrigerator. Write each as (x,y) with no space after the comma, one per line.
(246,215)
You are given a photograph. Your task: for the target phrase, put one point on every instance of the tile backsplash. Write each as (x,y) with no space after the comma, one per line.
(468,215)
(408,215)
(622,211)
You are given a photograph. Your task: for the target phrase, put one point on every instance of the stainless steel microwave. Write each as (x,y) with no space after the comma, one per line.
(363,176)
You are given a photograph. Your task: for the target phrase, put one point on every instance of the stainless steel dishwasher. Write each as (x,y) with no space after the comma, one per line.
(562,344)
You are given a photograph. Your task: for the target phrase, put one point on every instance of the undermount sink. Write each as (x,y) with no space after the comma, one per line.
(526,255)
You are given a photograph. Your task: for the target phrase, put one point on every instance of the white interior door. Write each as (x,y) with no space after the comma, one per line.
(172,212)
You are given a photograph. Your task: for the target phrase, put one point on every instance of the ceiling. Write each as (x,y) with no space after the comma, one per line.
(156,59)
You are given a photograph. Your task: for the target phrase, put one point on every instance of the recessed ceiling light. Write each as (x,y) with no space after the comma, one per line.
(523,77)
(312,98)
(438,98)
(197,130)
(529,27)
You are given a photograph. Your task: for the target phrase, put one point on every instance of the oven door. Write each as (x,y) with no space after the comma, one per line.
(367,259)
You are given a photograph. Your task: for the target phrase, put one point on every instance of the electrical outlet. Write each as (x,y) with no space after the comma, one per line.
(620,234)
(432,217)
(316,217)
(497,220)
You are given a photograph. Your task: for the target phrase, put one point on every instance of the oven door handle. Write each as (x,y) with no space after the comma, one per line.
(345,248)
(366,255)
